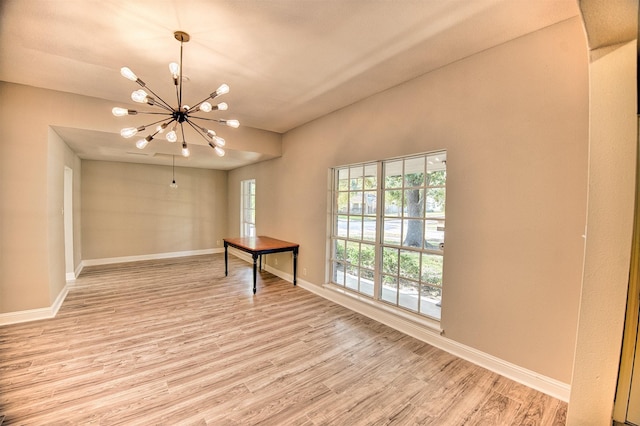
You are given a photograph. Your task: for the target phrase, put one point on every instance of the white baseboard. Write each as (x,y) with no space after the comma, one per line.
(79,269)
(59,300)
(35,314)
(124,259)
(71,276)
(430,332)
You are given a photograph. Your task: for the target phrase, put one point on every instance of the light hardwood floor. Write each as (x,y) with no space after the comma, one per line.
(175,342)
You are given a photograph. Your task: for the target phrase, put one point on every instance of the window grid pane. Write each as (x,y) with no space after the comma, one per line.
(354,222)
(417,184)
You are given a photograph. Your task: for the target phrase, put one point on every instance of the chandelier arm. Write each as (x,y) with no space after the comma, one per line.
(218,120)
(156,122)
(182,130)
(164,126)
(169,114)
(198,130)
(201,102)
(164,107)
(164,103)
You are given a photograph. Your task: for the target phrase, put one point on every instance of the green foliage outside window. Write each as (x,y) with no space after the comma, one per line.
(430,272)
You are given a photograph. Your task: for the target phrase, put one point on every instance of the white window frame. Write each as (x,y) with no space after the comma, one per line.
(350,270)
(248,208)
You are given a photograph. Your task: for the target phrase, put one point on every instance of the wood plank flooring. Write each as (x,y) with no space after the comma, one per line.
(175,342)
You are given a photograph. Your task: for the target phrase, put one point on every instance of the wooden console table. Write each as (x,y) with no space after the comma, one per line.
(257,246)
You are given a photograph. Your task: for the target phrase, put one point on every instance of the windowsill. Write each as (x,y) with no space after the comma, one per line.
(418,320)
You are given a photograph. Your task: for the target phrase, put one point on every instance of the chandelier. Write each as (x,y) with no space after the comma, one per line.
(173,116)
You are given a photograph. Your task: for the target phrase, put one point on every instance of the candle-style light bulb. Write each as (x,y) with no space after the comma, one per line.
(128,132)
(205,107)
(142,143)
(119,112)
(139,96)
(171,135)
(174,68)
(219,151)
(127,73)
(223,89)
(232,123)
(185,150)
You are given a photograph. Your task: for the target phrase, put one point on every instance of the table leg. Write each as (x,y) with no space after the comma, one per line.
(255,260)
(295,264)
(226,260)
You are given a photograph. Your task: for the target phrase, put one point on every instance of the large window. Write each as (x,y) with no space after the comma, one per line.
(248,208)
(388,231)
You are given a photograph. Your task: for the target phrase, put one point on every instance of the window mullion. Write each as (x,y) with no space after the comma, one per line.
(377,273)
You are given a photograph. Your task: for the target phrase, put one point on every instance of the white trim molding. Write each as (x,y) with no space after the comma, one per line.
(71,276)
(35,314)
(78,270)
(155,256)
(429,332)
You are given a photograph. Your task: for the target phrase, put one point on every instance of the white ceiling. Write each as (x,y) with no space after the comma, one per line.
(287,61)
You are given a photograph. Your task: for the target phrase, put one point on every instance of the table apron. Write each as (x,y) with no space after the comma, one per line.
(265,251)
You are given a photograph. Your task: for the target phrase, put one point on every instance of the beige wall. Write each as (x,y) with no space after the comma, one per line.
(514,120)
(130,210)
(24,258)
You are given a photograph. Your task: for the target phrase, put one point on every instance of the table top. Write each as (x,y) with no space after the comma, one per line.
(260,243)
